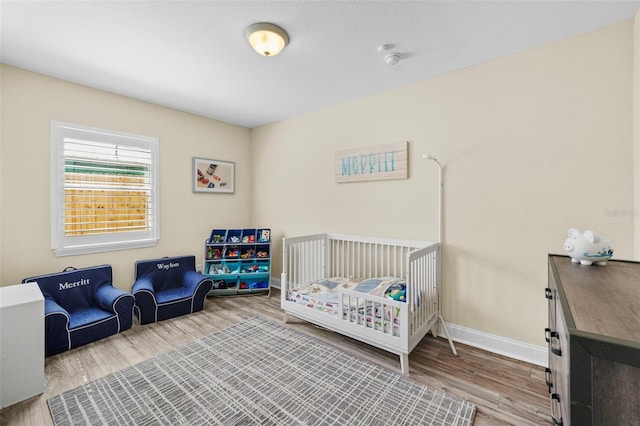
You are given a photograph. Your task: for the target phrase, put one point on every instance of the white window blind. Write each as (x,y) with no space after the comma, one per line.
(104,194)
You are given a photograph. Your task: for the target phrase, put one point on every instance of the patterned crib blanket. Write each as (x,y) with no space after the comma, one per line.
(324,295)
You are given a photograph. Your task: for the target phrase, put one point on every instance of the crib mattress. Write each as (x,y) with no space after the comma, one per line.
(323,295)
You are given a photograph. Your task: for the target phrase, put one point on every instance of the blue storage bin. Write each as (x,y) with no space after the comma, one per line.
(218,236)
(248,252)
(224,268)
(248,236)
(232,252)
(262,252)
(247,286)
(263,235)
(234,236)
(261,284)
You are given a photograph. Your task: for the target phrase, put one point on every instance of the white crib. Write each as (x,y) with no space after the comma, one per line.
(313,257)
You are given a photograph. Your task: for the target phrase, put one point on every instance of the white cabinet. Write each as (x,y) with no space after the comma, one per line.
(21,343)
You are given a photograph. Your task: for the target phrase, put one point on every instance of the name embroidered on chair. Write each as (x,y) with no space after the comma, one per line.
(166,266)
(67,285)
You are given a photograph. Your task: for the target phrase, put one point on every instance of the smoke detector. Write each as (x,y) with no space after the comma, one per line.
(390,58)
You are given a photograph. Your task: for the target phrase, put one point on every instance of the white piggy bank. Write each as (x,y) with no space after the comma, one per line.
(587,247)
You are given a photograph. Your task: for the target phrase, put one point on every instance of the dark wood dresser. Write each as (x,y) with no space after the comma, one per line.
(594,342)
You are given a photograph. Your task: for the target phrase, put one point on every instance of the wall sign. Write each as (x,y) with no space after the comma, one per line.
(372,163)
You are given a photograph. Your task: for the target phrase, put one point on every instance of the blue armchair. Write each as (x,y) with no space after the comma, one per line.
(168,287)
(82,306)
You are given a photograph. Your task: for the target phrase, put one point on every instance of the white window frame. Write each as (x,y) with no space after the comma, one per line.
(85,244)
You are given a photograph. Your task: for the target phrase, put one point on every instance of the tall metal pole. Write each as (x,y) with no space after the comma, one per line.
(440,241)
(440,185)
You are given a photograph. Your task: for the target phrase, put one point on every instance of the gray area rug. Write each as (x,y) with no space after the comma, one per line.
(257,372)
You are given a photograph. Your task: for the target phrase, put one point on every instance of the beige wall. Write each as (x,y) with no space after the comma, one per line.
(532,144)
(30,101)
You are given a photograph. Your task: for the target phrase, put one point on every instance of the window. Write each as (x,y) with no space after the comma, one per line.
(103,190)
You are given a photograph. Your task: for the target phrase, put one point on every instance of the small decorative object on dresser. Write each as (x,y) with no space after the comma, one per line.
(587,247)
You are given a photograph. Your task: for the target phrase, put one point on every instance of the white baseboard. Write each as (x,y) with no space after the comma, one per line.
(533,354)
(275,282)
(527,352)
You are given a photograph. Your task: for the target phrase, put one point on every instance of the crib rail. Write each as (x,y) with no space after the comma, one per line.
(303,259)
(319,256)
(381,314)
(424,280)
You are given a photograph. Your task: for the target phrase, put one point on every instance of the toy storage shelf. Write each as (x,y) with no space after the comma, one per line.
(238,261)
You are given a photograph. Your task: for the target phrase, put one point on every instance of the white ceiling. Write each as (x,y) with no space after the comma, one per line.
(192,55)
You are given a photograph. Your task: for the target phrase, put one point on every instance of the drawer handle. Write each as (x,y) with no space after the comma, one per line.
(548,293)
(555,351)
(554,335)
(556,421)
(547,377)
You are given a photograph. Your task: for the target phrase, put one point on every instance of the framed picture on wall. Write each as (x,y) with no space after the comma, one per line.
(213,176)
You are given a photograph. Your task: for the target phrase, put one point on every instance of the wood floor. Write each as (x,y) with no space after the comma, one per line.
(505,391)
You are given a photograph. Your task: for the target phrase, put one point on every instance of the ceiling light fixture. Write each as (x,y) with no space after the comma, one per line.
(267,39)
